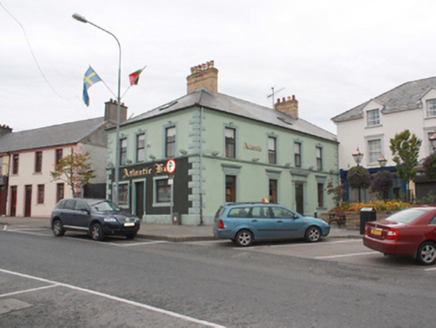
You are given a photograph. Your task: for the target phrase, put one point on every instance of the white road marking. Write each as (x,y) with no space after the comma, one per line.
(118,299)
(137,244)
(430,269)
(28,290)
(27,232)
(343,255)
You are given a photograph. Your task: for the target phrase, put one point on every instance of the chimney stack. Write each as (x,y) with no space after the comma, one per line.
(110,112)
(289,106)
(5,129)
(203,76)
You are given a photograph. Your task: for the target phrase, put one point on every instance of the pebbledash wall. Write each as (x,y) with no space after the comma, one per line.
(202,164)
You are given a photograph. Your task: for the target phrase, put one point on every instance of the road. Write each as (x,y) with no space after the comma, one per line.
(76,282)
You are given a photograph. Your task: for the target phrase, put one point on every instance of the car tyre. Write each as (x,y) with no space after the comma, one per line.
(313,234)
(131,236)
(244,238)
(97,232)
(58,229)
(427,253)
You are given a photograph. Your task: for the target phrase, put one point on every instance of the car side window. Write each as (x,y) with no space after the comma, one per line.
(433,221)
(79,204)
(239,212)
(259,212)
(281,213)
(69,204)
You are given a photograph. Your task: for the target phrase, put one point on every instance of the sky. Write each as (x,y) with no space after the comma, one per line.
(332,55)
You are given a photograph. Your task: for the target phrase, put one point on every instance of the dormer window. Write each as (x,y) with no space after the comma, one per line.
(431,108)
(373,117)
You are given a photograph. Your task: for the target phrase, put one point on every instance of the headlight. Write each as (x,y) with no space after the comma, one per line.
(110,220)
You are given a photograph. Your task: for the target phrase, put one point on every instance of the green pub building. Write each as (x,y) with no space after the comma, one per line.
(226,150)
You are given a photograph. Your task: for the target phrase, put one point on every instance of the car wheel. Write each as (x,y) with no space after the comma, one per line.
(97,232)
(427,253)
(58,229)
(244,238)
(313,234)
(131,236)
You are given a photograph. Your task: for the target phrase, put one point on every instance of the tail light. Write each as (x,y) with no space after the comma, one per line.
(392,234)
(221,224)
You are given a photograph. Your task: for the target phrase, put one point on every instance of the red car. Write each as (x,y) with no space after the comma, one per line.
(410,232)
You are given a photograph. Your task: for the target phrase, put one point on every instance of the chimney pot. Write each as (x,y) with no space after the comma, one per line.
(289,98)
(278,100)
(293,97)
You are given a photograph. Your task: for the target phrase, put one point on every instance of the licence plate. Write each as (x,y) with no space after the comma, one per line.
(376,232)
(129,224)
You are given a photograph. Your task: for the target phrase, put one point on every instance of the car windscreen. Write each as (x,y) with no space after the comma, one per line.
(105,206)
(406,216)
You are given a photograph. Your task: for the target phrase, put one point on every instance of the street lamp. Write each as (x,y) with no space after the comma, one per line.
(117,149)
(433,142)
(382,161)
(357,156)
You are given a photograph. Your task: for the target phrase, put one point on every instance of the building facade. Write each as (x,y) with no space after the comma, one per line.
(226,150)
(29,156)
(370,126)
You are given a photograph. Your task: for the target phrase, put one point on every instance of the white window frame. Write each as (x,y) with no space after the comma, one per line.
(373,117)
(430,105)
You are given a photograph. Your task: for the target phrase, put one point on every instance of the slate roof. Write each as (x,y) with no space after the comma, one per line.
(51,136)
(404,97)
(235,106)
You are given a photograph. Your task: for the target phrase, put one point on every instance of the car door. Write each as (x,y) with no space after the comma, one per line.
(67,212)
(81,214)
(287,223)
(262,223)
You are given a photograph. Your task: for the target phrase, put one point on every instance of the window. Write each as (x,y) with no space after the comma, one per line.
(170,142)
(40,194)
(260,212)
(123,151)
(281,213)
(123,194)
(140,147)
(38,162)
(230,142)
(373,117)
(271,150)
(374,148)
(320,187)
(1,165)
(230,188)
(59,192)
(431,107)
(59,155)
(273,191)
(297,154)
(163,191)
(319,158)
(15,159)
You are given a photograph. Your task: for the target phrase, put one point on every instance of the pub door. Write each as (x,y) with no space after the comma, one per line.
(139,199)
(299,197)
(13,210)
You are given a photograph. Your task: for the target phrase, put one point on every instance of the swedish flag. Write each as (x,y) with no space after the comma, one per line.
(89,79)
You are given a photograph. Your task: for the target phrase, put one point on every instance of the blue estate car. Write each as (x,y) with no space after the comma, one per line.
(248,222)
(97,217)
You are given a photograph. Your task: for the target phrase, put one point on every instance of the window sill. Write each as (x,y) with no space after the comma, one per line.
(373,126)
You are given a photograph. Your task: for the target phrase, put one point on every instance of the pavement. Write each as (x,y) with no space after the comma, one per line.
(156,231)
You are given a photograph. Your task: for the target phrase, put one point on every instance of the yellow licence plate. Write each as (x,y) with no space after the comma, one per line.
(376,232)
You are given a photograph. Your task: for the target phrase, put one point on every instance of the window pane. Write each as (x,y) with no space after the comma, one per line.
(374,147)
(163,191)
(297,154)
(271,150)
(40,194)
(170,142)
(123,194)
(230,142)
(319,158)
(431,107)
(123,151)
(38,161)
(373,117)
(140,147)
(320,195)
(230,188)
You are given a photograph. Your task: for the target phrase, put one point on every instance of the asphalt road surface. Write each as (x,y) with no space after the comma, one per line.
(76,282)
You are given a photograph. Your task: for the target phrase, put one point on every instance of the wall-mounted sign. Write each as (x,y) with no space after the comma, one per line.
(251,147)
(154,169)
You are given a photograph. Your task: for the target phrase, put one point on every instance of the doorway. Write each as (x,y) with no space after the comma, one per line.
(13,211)
(299,197)
(139,208)
(28,201)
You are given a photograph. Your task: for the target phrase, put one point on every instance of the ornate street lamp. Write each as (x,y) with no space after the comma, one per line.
(357,156)
(117,151)
(382,161)
(433,142)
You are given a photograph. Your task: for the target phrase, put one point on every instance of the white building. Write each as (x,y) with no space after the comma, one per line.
(370,126)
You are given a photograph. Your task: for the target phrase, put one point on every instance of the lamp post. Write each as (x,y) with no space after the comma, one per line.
(117,147)
(358,158)
(382,161)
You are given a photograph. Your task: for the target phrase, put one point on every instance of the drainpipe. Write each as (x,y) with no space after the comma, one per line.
(201,166)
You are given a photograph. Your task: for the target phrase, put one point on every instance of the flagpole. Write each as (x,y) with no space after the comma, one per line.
(117,151)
